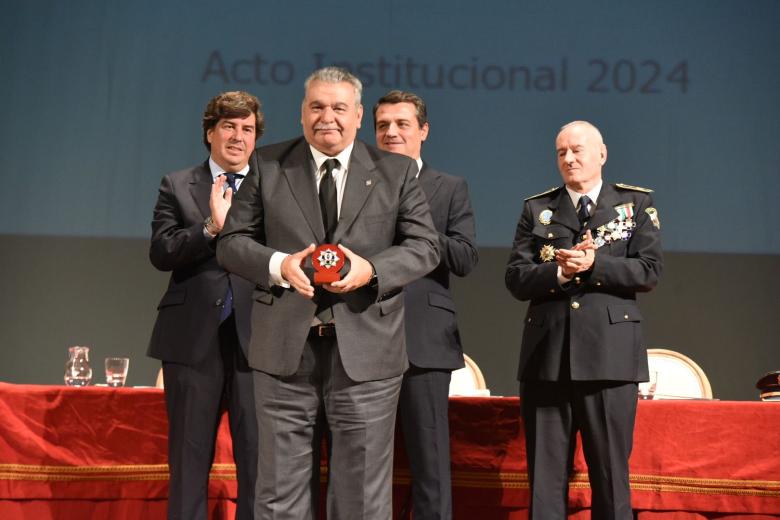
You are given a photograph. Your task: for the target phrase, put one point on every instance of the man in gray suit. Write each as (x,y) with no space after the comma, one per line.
(581,254)
(338,348)
(432,337)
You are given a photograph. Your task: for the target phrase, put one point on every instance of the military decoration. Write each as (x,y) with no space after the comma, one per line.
(625,211)
(545,216)
(617,229)
(547,253)
(653,214)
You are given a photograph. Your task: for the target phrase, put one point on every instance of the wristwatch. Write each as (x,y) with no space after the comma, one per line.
(373,282)
(210,227)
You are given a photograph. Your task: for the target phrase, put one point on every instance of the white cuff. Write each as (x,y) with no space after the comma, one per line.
(275,270)
(561,278)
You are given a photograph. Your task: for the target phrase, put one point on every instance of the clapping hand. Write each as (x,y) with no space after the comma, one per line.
(578,259)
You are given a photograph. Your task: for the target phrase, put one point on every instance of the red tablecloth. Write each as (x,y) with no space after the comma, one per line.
(691,459)
(99,452)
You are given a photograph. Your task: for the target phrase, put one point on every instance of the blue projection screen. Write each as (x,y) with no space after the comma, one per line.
(103,97)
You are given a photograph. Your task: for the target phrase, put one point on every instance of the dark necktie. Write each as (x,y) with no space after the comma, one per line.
(329,209)
(582,213)
(231,180)
(227,308)
(328,201)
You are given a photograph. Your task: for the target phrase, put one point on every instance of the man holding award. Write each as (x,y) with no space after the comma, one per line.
(332,338)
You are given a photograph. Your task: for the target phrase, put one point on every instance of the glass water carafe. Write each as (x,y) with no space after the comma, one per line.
(77,369)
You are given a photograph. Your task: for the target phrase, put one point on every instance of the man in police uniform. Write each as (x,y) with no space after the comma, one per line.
(581,253)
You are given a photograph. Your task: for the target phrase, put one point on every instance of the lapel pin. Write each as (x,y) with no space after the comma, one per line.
(368,182)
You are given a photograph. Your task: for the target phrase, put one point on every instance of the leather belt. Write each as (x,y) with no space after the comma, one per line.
(323,330)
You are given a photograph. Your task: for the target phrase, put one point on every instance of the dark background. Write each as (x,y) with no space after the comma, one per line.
(717,309)
(101,98)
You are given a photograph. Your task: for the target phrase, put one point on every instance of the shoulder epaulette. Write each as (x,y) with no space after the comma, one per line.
(544,193)
(633,188)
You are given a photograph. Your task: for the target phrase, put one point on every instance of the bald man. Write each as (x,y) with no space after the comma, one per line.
(581,253)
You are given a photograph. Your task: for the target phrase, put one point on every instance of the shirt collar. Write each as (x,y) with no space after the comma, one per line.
(419,166)
(217,170)
(343,157)
(593,194)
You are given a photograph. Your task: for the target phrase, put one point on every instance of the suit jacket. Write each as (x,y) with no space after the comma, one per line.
(591,328)
(384,218)
(432,337)
(188,319)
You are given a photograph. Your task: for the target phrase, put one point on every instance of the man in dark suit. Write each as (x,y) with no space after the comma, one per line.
(338,348)
(432,337)
(203,326)
(581,254)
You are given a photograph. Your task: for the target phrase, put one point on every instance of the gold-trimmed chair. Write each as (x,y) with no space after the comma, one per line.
(678,376)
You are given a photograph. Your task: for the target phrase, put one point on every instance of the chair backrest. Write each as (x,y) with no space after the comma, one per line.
(678,376)
(468,381)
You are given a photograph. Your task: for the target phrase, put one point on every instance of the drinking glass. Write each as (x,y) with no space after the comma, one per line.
(116,370)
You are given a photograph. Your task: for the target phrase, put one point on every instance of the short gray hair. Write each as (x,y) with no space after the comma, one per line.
(336,75)
(583,123)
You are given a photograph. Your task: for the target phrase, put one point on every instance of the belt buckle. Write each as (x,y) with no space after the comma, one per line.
(324,330)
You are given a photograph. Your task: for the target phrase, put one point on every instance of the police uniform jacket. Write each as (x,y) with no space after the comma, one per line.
(591,328)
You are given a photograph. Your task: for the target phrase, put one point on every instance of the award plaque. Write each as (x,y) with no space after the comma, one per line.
(327,261)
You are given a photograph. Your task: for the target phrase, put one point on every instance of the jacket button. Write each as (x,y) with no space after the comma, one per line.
(552,291)
(218,303)
(625,316)
(575,305)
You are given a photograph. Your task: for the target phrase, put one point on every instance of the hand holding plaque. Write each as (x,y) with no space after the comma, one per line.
(327,260)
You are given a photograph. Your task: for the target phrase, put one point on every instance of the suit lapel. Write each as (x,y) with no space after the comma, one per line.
(200,188)
(605,208)
(430,180)
(360,181)
(564,213)
(300,177)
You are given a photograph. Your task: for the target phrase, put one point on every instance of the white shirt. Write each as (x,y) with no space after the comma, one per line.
(593,195)
(339,174)
(217,170)
(339,177)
